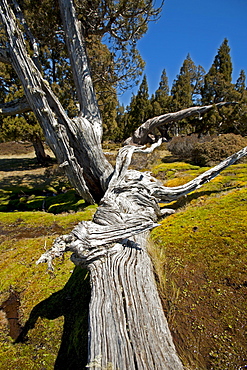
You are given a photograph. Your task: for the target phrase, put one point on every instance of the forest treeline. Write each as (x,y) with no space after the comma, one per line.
(193,86)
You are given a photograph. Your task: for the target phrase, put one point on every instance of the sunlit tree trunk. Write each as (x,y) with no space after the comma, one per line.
(127,326)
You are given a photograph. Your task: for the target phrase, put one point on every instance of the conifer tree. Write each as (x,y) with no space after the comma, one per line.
(218,87)
(236,116)
(240,85)
(140,108)
(185,91)
(160,100)
(186,86)
(218,81)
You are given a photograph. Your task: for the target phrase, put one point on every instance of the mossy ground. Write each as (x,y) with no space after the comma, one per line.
(199,255)
(53,306)
(50,302)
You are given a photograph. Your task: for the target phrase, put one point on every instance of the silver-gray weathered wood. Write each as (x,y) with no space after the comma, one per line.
(127,326)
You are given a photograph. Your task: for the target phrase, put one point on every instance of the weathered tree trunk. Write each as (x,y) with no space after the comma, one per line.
(127,327)
(39,149)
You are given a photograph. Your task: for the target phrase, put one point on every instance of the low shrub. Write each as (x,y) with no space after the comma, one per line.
(207,150)
(182,146)
(211,152)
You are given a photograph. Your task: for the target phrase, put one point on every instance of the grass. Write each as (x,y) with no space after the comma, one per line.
(199,254)
(200,257)
(49,305)
(37,205)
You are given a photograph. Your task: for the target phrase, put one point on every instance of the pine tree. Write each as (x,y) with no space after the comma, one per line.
(223,61)
(218,87)
(236,121)
(163,89)
(218,81)
(240,83)
(181,91)
(140,108)
(160,100)
(186,86)
(185,92)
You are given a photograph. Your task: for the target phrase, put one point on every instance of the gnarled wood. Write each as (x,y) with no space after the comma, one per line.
(124,295)
(140,135)
(14,107)
(127,326)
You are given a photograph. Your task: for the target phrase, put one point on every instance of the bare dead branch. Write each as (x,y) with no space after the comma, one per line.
(79,62)
(140,135)
(14,107)
(171,194)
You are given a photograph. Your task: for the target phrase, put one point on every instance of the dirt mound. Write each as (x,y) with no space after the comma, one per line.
(15,148)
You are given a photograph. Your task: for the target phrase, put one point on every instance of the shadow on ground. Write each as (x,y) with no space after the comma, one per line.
(71,302)
(26,179)
(18,164)
(186,199)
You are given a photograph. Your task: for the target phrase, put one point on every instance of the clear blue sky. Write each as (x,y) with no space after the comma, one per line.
(197,27)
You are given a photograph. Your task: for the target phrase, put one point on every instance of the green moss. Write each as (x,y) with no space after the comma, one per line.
(53,306)
(34,219)
(175,166)
(200,255)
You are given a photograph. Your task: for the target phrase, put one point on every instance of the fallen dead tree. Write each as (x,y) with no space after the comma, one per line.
(127,326)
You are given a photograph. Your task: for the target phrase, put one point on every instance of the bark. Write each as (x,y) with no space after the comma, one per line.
(14,107)
(76,143)
(124,293)
(39,149)
(127,326)
(77,52)
(140,136)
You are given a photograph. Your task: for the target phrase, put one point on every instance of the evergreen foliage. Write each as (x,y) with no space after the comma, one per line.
(186,86)
(194,87)
(161,99)
(218,81)
(218,87)
(115,64)
(139,110)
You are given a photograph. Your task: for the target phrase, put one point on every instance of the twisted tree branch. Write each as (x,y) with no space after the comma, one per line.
(140,135)
(14,107)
